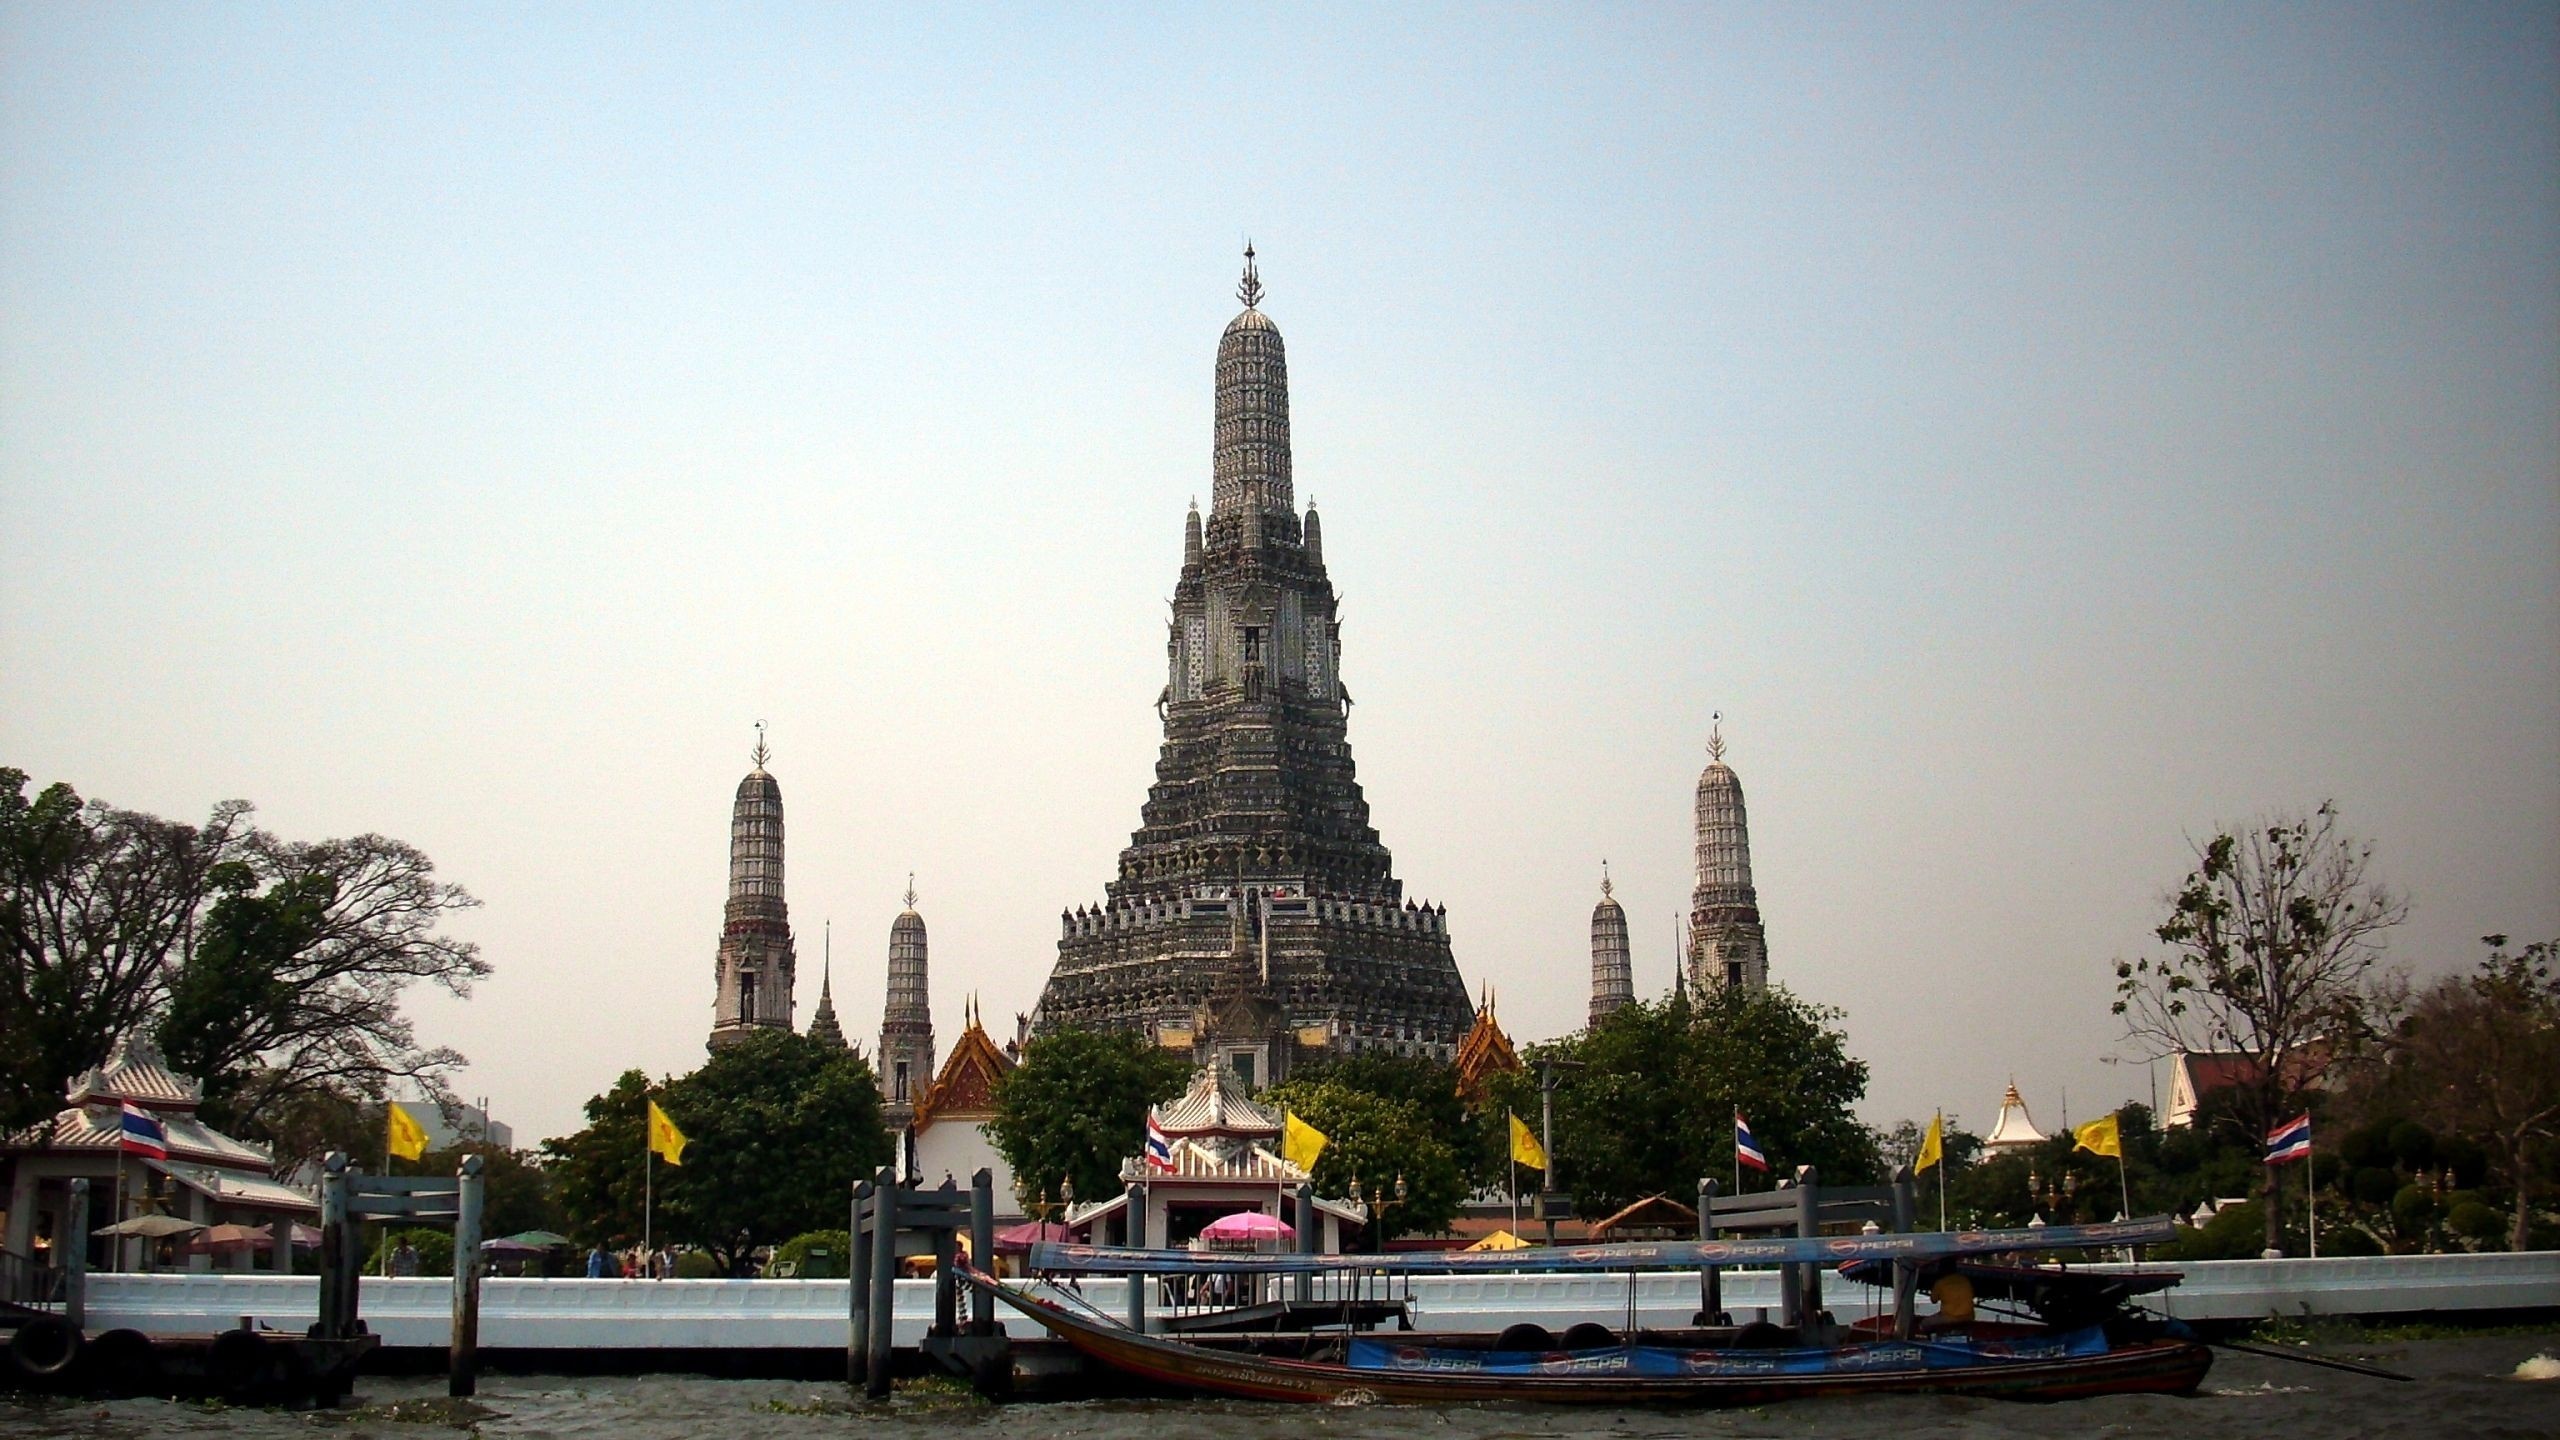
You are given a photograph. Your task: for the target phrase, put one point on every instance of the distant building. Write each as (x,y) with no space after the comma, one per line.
(1726,944)
(448,1128)
(2016,1129)
(755,965)
(2196,1075)
(906,1019)
(951,1136)
(1256,915)
(1613,981)
(1484,1053)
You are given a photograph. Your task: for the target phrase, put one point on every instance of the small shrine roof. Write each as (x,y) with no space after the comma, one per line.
(1216,1104)
(136,1071)
(2016,1130)
(99,1129)
(1484,1052)
(967,1084)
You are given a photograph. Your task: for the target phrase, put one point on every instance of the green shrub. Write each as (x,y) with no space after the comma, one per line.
(435,1250)
(2476,1222)
(695,1265)
(2236,1232)
(2373,1185)
(2347,1240)
(818,1255)
(2413,1210)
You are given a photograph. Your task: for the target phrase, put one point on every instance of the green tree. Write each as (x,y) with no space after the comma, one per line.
(1378,1144)
(96,908)
(2269,947)
(515,1193)
(2479,1056)
(1644,1100)
(1077,1106)
(1475,1141)
(596,1175)
(777,1128)
(269,969)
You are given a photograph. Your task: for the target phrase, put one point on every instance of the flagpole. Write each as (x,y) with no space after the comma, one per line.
(1941,1120)
(2311,1195)
(648,1190)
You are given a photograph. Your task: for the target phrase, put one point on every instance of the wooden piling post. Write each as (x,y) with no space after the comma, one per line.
(333,1241)
(1906,1273)
(462,1377)
(883,1281)
(946,1262)
(1808,1225)
(982,1248)
(1310,1236)
(75,1259)
(1711,1277)
(1135,1216)
(857,1269)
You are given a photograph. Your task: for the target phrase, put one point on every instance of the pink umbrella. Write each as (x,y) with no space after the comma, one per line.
(1247,1225)
(1018,1239)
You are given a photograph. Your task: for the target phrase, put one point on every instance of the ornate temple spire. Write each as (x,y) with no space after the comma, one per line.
(1726,944)
(1191,534)
(906,1021)
(1249,289)
(823,1026)
(1251,446)
(1612,963)
(756,962)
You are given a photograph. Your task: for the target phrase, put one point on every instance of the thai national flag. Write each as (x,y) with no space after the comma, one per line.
(141,1133)
(1746,1149)
(2290,1140)
(1159,1146)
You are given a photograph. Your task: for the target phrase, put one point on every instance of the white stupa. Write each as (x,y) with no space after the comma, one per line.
(2016,1131)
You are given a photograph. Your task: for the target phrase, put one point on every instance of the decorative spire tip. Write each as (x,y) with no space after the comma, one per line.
(1604,879)
(1715,737)
(763,752)
(911,889)
(1249,290)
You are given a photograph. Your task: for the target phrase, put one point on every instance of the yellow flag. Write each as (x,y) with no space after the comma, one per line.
(1525,1149)
(2099,1137)
(408,1138)
(1933,1146)
(1300,1142)
(665,1140)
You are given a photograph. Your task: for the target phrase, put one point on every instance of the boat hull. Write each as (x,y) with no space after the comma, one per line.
(2157,1366)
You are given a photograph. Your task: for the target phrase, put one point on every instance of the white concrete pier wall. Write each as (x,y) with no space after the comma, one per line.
(810,1314)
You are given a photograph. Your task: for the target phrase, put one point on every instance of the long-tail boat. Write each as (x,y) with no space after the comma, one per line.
(2088,1343)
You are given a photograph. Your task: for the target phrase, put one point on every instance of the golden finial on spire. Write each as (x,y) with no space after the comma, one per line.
(1715,737)
(763,753)
(1249,290)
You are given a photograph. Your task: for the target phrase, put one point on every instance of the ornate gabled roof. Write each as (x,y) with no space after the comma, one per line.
(2016,1131)
(1216,1104)
(136,1071)
(98,1128)
(1193,1161)
(1485,1052)
(967,1084)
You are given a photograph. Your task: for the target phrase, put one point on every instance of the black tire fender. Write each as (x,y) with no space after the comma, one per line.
(44,1348)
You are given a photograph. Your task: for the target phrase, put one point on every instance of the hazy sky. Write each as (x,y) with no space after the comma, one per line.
(2044,432)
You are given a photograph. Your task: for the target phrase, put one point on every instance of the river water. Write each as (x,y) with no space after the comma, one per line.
(2465,1387)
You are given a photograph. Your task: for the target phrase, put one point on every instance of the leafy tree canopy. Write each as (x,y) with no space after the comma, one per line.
(269,969)
(1376,1143)
(777,1128)
(1077,1106)
(1644,1100)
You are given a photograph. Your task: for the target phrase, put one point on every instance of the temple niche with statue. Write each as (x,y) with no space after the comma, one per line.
(1256,917)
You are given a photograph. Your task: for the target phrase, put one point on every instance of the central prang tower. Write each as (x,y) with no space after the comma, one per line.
(1257,919)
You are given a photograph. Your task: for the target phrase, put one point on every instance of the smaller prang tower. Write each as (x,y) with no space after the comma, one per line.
(906,1021)
(756,963)
(1612,966)
(823,1027)
(1726,944)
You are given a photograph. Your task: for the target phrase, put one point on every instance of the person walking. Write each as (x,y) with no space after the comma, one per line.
(404,1258)
(600,1265)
